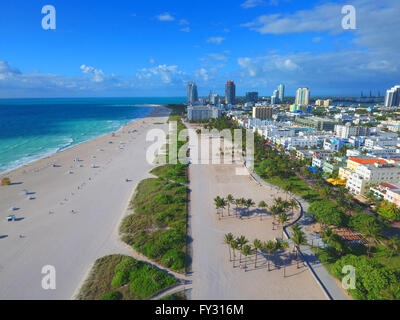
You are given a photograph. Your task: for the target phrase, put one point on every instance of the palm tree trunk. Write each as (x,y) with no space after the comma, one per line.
(255,264)
(230,255)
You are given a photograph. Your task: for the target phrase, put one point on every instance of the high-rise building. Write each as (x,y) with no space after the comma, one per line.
(262,113)
(230,92)
(281,90)
(192,95)
(392,98)
(252,97)
(302,96)
(275,97)
(214,99)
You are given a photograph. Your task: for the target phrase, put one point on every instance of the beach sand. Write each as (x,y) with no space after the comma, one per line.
(48,232)
(213,276)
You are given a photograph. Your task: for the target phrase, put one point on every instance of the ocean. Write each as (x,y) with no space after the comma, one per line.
(31,129)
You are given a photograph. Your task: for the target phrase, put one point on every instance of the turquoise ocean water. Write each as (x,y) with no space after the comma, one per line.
(31,129)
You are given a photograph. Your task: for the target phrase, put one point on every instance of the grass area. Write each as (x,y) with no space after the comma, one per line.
(171,172)
(300,187)
(156,123)
(157,229)
(175,296)
(118,277)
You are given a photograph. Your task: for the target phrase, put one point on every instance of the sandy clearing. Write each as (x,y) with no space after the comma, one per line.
(213,275)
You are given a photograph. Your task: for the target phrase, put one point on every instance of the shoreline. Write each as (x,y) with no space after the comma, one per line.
(97,195)
(60,150)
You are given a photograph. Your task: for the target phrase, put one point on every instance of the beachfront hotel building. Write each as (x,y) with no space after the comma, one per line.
(262,113)
(361,172)
(302,96)
(230,93)
(199,113)
(192,94)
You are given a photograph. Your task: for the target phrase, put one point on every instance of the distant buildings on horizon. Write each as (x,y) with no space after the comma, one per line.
(392,98)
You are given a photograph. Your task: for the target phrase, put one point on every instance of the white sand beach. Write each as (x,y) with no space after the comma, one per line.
(75,208)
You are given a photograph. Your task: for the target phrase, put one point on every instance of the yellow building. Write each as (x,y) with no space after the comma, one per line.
(327,102)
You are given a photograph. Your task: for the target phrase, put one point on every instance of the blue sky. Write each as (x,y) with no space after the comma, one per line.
(152,48)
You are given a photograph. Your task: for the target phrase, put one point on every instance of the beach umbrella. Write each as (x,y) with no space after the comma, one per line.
(13,209)
(24,192)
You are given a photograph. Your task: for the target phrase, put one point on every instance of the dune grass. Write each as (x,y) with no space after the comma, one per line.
(118,277)
(157,228)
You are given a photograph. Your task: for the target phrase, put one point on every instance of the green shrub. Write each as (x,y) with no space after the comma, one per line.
(120,279)
(174,259)
(112,295)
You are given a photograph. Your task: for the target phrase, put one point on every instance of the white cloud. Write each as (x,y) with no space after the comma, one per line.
(251,3)
(218,56)
(97,75)
(183,22)
(202,73)
(7,71)
(187,29)
(216,40)
(166,73)
(165,17)
(152,60)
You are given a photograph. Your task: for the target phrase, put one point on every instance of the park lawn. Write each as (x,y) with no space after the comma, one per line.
(301,188)
(382,255)
(118,277)
(157,228)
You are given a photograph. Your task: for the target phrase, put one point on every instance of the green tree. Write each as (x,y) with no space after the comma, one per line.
(299,239)
(229,200)
(269,247)
(228,240)
(242,241)
(262,205)
(257,244)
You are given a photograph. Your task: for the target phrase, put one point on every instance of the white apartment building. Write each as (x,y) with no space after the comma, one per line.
(346,131)
(361,172)
(381,141)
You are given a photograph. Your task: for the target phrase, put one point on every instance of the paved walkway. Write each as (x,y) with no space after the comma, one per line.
(319,272)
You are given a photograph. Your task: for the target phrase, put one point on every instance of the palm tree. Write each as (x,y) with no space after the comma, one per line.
(218,205)
(229,200)
(249,203)
(279,245)
(296,228)
(288,188)
(278,202)
(257,244)
(246,251)
(394,244)
(223,205)
(269,247)
(299,239)
(293,204)
(241,242)
(237,204)
(275,210)
(282,219)
(234,246)
(262,205)
(227,240)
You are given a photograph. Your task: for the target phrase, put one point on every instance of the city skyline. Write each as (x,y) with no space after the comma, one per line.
(129,50)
